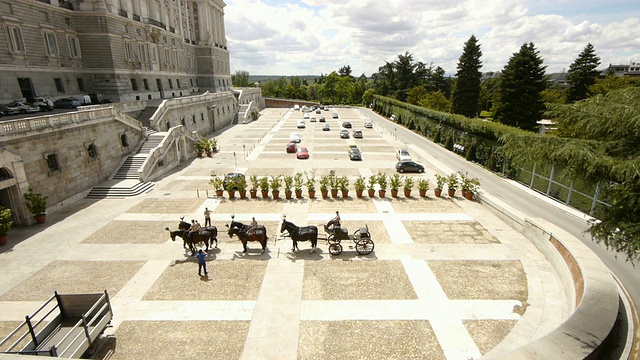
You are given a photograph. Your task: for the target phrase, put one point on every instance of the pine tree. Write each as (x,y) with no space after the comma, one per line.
(466,92)
(582,74)
(520,103)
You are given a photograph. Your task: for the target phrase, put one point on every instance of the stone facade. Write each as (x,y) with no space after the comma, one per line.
(126,50)
(62,159)
(203,114)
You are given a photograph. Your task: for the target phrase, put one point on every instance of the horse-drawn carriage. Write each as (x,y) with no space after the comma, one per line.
(335,234)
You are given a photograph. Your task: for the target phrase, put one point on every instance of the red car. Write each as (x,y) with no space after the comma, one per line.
(291,148)
(302,153)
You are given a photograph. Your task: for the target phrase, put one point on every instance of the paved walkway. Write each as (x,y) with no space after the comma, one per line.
(447,279)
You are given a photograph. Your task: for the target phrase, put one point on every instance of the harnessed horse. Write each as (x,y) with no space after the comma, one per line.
(248,233)
(301,233)
(200,236)
(183,225)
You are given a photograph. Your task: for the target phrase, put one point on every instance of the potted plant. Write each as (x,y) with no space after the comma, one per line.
(241,184)
(440,180)
(452,183)
(373,180)
(324,186)
(264,187)
(218,185)
(255,183)
(360,185)
(6,220)
(213,145)
(288,185)
(275,184)
(207,147)
(382,182)
(311,185)
(200,147)
(298,181)
(395,182)
(334,183)
(423,186)
(343,184)
(469,185)
(37,205)
(407,186)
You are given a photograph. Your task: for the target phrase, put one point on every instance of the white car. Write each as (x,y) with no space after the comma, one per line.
(301,125)
(368,124)
(403,155)
(306,115)
(294,138)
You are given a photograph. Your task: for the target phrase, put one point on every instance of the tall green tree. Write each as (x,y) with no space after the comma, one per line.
(597,142)
(466,91)
(240,78)
(612,82)
(582,74)
(520,103)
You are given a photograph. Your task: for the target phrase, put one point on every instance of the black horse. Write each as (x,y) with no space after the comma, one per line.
(303,233)
(200,236)
(248,233)
(183,225)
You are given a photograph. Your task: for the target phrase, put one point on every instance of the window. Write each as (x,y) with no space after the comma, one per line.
(146,84)
(191,82)
(51,43)
(123,140)
(59,84)
(167,59)
(193,118)
(74,47)
(129,51)
(154,55)
(170,84)
(134,84)
(175,58)
(52,162)
(143,53)
(80,84)
(178,83)
(92,151)
(15,34)
(67,21)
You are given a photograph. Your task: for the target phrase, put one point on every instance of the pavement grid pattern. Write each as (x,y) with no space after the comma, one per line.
(447,278)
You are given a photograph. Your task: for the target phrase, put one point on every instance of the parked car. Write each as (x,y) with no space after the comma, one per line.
(302,153)
(326,127)
(313,119)
(346,125)
(368,125)
(230,180)
(66,103)
(292,147)
(19,107)
(45,104)
(409,166)
(318,111)
(322,119)
(99,99)
(294,138)
(301,125)
(326,108)
(344,134)
(352,146)
(306,115)
(355,154)
(403,155)
(334,115)
(357,134)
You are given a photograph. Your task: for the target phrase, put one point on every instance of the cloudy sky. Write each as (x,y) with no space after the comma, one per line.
(310,37)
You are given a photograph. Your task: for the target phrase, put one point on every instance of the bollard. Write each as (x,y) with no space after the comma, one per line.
(198,192)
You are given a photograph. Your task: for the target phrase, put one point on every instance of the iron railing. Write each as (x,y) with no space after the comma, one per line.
(123,13)
(156,23)
(66,5)
(136,17)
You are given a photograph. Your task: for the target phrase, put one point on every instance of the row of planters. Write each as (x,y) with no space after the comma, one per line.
(332,185)
(209,146)
(37,205)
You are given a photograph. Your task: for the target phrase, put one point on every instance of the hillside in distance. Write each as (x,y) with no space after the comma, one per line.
(253,78)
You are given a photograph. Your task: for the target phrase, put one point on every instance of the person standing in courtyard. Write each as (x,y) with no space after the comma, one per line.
(207,217)
(202,264)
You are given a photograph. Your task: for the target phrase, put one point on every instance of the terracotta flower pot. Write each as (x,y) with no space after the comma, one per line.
(334,193)
(276,194)
(312,194)
(199,153)
(382,193)
(394,193)
(41,218)
(219,193)
(345,193)
(437,192)
(209,154)
(243,194)
(371,192)
(298,194)
(253,193)
(325,193)
(407,193)
(4,239)
(359,193)
(423,193)
(468,195)
(287,194)
(232,193)
(265,194)
(452,192)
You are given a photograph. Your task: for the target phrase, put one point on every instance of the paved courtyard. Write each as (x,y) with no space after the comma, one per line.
(447,278)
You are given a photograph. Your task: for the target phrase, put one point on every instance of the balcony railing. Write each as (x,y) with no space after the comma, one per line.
(66,5)
(156,23)
(193,42)
(136,17)
(123,13)
(45,1)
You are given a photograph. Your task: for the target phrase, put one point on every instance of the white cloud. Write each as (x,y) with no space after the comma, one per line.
(273,37)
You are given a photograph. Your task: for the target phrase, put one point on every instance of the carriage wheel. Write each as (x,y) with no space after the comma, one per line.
(364,246)
(335,249)
(355,233)
(332,240)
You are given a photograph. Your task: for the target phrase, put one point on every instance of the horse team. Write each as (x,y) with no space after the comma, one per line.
(246,233)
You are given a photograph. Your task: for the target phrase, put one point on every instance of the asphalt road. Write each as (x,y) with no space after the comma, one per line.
(529,205)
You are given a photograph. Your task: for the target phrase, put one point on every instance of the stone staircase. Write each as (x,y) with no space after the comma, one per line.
(125,182)
(146,114)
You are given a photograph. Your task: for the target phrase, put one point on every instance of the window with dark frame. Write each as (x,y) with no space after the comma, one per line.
(80,84)
(92,151)
(145,82)
(123,140)
(59,84)
(52,162)
(134,84)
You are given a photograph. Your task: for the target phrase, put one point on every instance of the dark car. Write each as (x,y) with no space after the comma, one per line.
(292,147)
(409,166)
(66,103)
(344,134)
(355,154)
(326,127)
(357,134)
(346,125)
(322,119)
(231,179)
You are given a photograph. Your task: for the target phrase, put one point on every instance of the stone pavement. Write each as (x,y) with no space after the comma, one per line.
(447,278)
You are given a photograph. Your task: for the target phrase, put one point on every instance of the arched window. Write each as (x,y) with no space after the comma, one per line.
(5,174)
(92,151)
(123,140)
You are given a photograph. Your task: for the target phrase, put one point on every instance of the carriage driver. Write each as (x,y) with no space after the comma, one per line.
(335,221)
(195,226)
